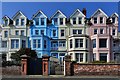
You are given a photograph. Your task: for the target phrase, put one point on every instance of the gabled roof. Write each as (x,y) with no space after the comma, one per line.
(76,12)
(39,11)
(115,14)
(19,12)
(10,21)
(100,11)
(4,17)
(58,11)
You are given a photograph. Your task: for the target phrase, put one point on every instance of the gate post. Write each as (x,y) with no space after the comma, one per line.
(45,65)
(24,64)
(67,66)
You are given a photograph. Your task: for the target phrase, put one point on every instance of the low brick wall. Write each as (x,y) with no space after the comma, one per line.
(72,68)
(96,69)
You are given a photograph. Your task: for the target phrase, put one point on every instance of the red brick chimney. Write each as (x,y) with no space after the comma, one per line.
(84,11)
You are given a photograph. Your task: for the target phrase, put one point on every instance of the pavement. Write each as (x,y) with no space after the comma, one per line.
(59,77)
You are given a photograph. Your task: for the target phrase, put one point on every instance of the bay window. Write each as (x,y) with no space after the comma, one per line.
(78,43)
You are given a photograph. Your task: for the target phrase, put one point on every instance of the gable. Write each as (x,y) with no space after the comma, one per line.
(58,14)
(77,13)
(99,12)
(39,14)
(115,15)
(19,14)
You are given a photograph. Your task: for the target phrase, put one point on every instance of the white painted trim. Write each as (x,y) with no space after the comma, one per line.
(19,12)
(100,11)
(38,13)
(115,14)
(79,12)
(58,11)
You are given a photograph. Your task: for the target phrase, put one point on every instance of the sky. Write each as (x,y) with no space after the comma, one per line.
(49,8)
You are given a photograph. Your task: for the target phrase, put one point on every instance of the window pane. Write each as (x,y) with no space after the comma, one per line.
(102,43)
(23,43)
(76,43)
(12,44)
(80,20)
(95,31)
(71,43)
(81,42)
(37,21)
(95,20)
(39,43)
(94,43)
(74,20)
(79,31)
(36,32)
(22,22)
(56,21)
(101,31)
(81,57)
(17,22)
(113,32)
(113,19)
(6,34)
(61,21)
(103,57)
(42,32)
(45,43)
(17,43)
(6,22)
(22,32)
(74,31)
(77,57)
(101,20)
(42,21)
(54,32)
(34,43)
(62,32)
(16,32)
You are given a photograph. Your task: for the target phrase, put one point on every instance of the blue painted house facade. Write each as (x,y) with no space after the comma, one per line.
(39,39)
(45,35)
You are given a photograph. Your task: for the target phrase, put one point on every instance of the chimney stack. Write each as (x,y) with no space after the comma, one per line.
(84,11)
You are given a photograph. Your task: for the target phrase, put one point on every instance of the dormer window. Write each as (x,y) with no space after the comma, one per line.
(37,21)
(74,20)
(22,22)
(101,20)
(61,21)
(113,19)
(55,21)
(6,22)
(17,22)
(42,21)
(80,20)
(95,20)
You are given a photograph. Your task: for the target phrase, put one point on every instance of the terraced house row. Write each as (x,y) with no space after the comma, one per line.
(85,39)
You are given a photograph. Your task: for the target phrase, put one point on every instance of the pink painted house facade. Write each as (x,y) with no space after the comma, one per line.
(103,35)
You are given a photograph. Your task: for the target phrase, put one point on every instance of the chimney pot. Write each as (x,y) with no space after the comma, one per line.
(84,11)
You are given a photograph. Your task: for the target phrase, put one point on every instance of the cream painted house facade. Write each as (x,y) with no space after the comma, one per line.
(14,33)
